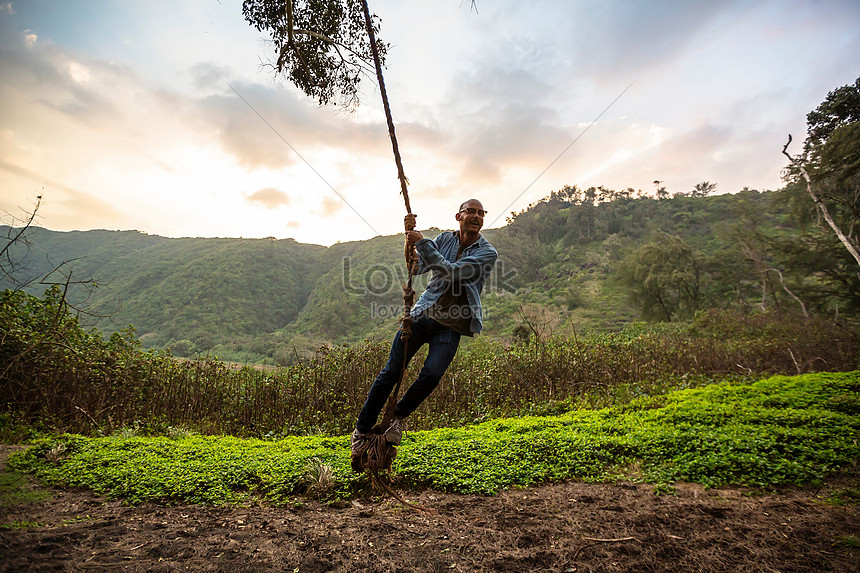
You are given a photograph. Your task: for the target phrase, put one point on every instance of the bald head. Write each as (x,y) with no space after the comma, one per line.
(465,204)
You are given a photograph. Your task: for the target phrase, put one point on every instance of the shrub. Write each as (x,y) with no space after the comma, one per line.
(780,430)
(56,375)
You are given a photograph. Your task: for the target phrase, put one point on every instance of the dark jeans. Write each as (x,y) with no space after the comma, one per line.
(443,346)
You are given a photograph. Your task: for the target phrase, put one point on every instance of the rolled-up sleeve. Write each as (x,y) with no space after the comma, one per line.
(423,265)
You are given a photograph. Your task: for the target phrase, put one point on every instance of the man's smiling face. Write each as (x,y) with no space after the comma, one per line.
(471,217)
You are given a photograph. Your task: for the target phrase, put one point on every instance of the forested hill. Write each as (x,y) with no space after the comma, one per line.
(592,260)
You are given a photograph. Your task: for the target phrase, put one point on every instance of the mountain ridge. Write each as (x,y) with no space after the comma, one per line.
(560,266)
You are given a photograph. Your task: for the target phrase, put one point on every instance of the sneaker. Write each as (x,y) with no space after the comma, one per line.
(359,441)
(394,433)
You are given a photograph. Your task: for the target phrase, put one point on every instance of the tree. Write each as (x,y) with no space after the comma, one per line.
(663,277)
(829,167)
(703,189)
(661,190)
(840,107)
(321,46)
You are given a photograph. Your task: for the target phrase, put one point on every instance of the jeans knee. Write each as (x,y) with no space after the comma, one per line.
(429,379)
(385,381)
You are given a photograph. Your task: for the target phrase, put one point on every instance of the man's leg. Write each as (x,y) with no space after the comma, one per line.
(386,379)
(443,346)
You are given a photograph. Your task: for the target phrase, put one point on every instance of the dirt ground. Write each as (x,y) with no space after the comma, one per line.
(568,527)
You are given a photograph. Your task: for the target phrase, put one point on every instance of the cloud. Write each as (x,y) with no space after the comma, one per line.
(419,134)
(536,86)
(254,141)
(271,125)
(209,75)
(698,146)
(269,197)
(330,206)
(680,159)
(39,76)
(499,119)
(599,41)
(77,208)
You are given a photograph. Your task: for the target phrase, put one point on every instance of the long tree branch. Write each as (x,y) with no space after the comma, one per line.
(291,43)
(794,296)
(821,206)
(337,46)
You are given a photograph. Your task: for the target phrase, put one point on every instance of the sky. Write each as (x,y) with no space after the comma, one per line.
(162,116)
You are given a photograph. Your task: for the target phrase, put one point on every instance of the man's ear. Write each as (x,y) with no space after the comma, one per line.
(457,215)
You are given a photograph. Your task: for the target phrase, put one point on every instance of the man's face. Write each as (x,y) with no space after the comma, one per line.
(470,217)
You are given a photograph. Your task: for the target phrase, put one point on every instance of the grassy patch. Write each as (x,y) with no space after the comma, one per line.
(16,489)
(847,541)
(844,496)
(23,525)
(781,430)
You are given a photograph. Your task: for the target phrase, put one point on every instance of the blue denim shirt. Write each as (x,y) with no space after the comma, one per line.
(471,271)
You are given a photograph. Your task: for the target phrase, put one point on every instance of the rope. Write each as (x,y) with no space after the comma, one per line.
(373,49)
(376,457)
(409,251)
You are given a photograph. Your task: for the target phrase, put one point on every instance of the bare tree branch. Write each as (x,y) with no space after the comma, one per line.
(23,229)
(8,265)
(791,294)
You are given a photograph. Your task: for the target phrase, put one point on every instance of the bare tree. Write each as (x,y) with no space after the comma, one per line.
(11,261)
(16,251)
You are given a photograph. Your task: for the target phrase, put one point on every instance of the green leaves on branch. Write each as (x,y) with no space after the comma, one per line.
(841,107)
(321,46)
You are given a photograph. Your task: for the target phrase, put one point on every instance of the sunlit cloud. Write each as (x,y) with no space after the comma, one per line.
(72,207)
(330,206)
(79,73)
(269,197)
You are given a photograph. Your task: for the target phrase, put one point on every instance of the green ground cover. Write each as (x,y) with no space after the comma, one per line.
(16,489)
(776,431)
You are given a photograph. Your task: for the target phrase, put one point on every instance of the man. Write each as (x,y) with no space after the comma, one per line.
(449,308)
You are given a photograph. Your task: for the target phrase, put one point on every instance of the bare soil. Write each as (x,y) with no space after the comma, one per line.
(567,527)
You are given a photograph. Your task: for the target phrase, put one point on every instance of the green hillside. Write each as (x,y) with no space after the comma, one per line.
(588,261)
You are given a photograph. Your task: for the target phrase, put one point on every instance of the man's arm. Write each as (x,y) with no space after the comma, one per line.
(467,268)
